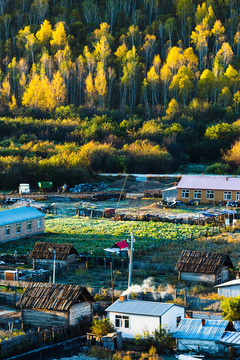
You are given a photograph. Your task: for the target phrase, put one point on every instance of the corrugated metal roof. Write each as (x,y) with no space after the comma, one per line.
(193,329)
(171,188)
(209,183)
(235,282)
(231,338)
(19,214)
(139,307)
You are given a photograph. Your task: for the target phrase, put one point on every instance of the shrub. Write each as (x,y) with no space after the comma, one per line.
(161,339)
(102,327)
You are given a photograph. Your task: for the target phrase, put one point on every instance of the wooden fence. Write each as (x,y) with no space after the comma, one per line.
(34,338)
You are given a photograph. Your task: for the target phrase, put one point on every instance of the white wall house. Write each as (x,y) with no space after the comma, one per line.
(202,335)
(229,288)
(133,317)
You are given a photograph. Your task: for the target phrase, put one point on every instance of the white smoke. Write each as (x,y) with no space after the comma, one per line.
(146,285)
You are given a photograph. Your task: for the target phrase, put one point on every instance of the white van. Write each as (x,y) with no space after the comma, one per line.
(24,189)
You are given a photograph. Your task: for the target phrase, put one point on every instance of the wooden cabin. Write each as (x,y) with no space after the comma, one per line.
(43,257)
(48,305)
(204,266)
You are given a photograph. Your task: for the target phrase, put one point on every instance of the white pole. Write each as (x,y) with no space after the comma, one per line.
(130,265)
(54,266)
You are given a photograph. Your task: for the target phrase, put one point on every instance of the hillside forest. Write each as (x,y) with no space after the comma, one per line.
(117,86)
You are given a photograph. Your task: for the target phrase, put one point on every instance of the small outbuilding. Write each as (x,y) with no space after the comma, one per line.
(120,247)
(199,266)
(169,194)
(20,222)
(202,335)
(229,288)
(133,317)
(43,254)
(47,305)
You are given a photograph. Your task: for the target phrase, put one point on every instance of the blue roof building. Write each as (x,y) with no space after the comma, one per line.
(202,335)
(20,222)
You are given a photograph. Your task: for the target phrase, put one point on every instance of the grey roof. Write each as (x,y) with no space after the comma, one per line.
(139,307)
(19,214)
(202,182)
(231,338)
(171,188)
(235,282)
(193,329)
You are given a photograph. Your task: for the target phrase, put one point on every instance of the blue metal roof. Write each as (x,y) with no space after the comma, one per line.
(19,214)
(193,329)
(140,307)
(231,338)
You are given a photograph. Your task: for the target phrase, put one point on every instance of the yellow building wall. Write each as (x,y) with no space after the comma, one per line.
(218,196)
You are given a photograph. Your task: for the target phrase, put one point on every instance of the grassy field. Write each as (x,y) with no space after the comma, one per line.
(91,234)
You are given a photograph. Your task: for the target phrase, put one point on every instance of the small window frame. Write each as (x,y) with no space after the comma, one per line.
(185,193)
(7,230)
(210,194)
(18,228)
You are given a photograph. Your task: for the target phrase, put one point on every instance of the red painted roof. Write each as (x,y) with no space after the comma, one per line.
(121,244)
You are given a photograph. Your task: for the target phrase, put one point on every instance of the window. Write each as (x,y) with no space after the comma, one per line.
(178,320)
(185,193)
(122,321)
(18,228)
(210,194)
(237,195)
(197,194)
(7,230)
(29,225)
(227,195)
(39,223)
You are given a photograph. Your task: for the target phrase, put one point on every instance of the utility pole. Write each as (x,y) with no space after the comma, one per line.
(130,253)
(112,281)
(54,263)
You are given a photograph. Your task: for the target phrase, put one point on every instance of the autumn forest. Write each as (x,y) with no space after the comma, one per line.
(117,86)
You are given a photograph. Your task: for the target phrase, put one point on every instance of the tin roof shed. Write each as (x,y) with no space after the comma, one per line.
(202,329)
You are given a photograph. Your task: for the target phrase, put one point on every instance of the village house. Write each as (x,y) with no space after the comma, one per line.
(133,317)
(208,189)
(20,222)
(43,254)
(202,335)
(229,288)
(47,305)
(204,266)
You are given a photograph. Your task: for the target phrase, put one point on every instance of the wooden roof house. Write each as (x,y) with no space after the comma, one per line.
(43,256)
(52,305)
(204,266)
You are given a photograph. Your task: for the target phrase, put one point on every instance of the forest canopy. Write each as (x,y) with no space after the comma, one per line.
(151,83)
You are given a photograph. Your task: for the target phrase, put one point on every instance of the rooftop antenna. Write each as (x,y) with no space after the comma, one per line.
(130,254)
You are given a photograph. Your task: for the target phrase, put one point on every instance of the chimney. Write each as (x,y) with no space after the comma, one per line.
(203,322)
(237,276)
(28,204)
(226,178)
(122,298)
